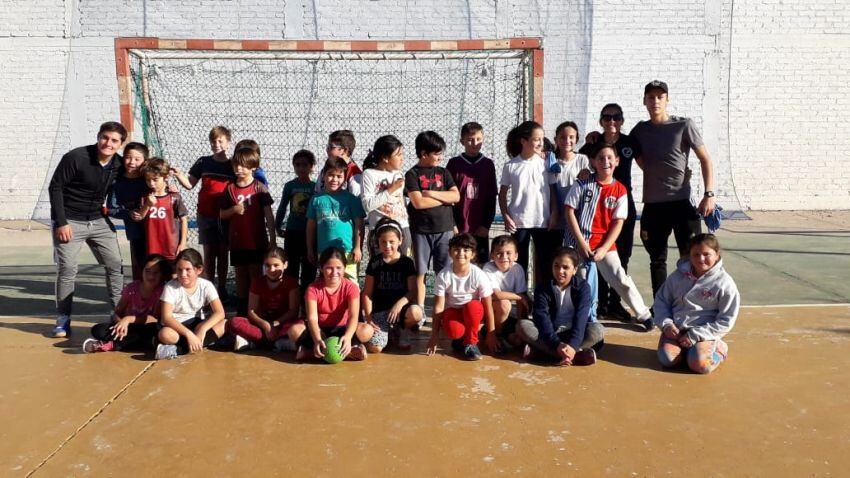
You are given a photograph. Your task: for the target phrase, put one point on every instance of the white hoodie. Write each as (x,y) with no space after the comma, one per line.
(704,307)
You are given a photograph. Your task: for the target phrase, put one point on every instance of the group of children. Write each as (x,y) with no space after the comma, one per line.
(429,218)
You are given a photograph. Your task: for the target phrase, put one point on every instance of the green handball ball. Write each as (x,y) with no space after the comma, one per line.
(332,354)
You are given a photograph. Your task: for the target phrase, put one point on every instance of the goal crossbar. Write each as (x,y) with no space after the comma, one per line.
(317,50)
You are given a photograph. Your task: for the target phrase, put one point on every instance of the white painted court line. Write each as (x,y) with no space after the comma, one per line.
(790,306)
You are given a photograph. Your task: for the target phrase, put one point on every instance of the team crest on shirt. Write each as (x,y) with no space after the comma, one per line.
(610,202)
(627,152)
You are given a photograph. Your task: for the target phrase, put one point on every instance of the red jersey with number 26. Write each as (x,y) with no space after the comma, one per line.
(248,230)
(162,225)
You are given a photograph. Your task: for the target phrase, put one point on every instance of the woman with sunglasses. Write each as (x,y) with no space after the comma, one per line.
(611,120)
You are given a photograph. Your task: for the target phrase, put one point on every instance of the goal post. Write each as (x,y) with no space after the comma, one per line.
(290,94)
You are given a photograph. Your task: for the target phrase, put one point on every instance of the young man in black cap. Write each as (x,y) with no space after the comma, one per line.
(665,142)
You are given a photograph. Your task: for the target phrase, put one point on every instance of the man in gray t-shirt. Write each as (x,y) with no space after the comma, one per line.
(665,144)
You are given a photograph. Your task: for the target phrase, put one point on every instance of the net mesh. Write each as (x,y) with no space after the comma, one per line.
(289,104)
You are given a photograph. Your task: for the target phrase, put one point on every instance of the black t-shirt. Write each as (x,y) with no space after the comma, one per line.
(627,148)
(390,281)
(435,219)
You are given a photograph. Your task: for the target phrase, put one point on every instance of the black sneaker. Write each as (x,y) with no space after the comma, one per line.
(647,325)
(471,352)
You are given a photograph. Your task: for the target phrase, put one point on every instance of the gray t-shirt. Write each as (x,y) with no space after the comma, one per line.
(665,149)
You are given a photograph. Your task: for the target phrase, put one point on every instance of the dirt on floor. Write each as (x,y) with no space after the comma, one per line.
(777,407)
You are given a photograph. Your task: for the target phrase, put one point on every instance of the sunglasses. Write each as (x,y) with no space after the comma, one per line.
(616,117)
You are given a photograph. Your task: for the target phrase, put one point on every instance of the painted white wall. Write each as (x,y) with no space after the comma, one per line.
(766,80)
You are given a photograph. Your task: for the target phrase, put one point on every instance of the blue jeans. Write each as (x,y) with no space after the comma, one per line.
(589,273)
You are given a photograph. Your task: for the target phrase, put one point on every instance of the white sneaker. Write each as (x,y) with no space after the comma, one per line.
(62,328)
(241,344)
(165,352)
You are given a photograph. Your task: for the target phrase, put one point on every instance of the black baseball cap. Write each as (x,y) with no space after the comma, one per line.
(655,85)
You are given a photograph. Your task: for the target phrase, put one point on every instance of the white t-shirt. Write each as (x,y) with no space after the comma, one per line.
(460,290)
(512,280)
(186,306)
(528,182)
(375,196)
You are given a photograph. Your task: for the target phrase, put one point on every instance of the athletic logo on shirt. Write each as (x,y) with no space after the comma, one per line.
(627,152)
(427,182)
(707,294)
(611,202)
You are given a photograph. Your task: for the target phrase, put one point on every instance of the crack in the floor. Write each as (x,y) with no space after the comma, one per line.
(90,419)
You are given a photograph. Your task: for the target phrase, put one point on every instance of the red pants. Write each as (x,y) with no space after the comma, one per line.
(464,322)
(243,327)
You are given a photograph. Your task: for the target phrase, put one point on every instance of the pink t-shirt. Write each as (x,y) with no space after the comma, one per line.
(332,307)
(138,305)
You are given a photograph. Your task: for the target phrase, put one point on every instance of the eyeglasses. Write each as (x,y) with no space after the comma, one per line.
(616,117)
(333,146)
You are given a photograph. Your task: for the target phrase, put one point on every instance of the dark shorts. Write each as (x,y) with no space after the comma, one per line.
(339,331)
(212,231)
(431,248)
(245,257)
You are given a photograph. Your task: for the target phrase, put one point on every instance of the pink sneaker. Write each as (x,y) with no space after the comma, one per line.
(91,346)
(358,352)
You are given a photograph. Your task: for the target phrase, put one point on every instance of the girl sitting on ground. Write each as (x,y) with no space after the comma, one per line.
(560,329)
(273,298)
(185,328)
(696,307)
(134,322)
(389,295)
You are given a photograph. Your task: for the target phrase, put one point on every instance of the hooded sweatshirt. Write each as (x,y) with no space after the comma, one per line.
(705,307)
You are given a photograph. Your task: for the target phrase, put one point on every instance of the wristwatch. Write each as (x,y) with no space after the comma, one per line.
(709,194)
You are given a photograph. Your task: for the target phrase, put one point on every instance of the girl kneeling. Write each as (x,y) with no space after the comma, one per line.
(333,309)
(695,307)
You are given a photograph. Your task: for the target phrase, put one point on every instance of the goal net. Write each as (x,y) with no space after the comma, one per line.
(291,98)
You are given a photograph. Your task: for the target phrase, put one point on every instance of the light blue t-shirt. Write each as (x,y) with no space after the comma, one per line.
(334,215)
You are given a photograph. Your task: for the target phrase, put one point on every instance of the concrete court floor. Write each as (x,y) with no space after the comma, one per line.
(778,407)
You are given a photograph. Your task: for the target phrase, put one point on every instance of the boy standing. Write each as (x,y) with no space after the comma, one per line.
(432,193)
(166,217)
(296,195)
(335,219)
(214,172)
(475,176)
(595,211)
(247,204)
(341,145)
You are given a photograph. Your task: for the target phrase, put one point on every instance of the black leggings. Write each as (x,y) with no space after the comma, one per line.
(139,336)
(209,338)
(656,223)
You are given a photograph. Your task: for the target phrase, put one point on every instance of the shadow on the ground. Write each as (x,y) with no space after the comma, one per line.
(630,356)
(30,290)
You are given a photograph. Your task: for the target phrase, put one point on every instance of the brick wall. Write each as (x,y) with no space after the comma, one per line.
(766,80)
